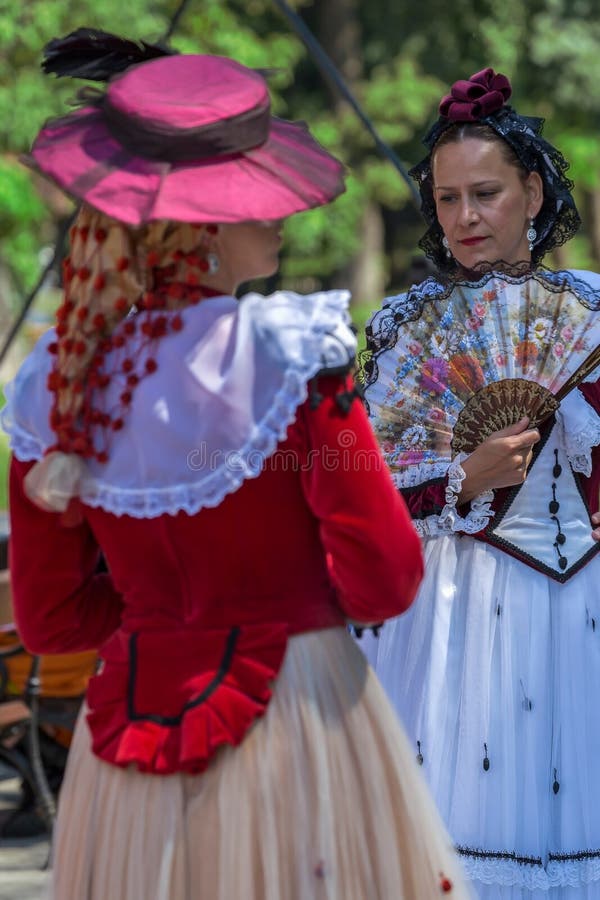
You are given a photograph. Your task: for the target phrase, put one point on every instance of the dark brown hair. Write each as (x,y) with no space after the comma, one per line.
(473,130)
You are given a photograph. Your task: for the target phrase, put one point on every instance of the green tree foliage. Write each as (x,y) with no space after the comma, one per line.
(406,56)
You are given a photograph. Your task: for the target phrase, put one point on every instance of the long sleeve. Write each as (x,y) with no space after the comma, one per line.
(61,605)
(374,552)
(426,499)
(591,485)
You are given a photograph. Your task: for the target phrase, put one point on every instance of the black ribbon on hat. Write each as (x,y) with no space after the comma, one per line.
(156,140)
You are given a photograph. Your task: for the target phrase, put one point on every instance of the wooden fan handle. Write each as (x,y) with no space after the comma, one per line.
(587,366)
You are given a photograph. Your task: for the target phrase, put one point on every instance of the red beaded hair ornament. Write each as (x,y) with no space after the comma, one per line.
(118,282)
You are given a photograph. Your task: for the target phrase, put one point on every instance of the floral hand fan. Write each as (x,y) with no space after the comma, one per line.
(451,362)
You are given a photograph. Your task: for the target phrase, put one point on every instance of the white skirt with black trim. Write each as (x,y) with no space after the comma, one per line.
(495,672)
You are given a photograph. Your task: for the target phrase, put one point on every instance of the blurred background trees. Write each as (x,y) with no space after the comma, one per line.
(398,57)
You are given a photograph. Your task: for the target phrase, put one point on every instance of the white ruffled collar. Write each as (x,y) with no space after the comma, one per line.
(227,388)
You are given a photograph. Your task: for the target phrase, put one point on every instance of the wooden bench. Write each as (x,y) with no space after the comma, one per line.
(19,716)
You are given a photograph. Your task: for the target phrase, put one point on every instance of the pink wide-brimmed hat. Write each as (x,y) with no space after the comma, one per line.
(186,138)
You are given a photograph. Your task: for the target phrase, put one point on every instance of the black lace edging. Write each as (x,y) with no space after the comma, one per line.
(383,332)
(578,856)
(499,854)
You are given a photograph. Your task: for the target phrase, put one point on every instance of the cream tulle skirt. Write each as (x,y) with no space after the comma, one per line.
(323,800)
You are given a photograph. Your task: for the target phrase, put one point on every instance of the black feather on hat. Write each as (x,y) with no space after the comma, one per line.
(97,55)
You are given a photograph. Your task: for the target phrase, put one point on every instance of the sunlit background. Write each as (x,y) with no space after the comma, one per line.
(398,58)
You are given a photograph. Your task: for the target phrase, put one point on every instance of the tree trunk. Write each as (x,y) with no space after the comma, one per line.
(338,30)
(592,206)
(365,274)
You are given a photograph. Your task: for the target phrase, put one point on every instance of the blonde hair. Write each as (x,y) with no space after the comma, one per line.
(111,269)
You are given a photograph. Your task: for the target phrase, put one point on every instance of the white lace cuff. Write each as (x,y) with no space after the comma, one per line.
(579,431)
(449,519)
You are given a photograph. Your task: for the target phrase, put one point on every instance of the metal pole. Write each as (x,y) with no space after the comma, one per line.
(32,695)
(15,328)
(328,68)
(60,241)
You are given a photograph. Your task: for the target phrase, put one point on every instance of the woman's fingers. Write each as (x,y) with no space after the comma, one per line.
(510,430)
(526,438)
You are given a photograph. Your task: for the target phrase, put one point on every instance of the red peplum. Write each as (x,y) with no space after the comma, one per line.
(167,702)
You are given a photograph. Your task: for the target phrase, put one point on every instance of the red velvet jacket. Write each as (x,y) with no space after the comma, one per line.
(193,619)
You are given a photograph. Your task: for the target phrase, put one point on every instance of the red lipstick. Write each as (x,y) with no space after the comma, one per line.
(470,242)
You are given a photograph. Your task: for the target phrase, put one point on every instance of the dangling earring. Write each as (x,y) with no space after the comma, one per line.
(213,263)
(531,234)
(446,244)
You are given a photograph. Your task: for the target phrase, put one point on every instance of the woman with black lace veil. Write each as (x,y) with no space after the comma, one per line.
(235,744)
(481,387)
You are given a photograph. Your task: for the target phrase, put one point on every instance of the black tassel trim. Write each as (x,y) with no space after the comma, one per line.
(359,630)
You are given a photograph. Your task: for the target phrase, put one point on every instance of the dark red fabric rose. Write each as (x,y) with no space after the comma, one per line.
(483,94)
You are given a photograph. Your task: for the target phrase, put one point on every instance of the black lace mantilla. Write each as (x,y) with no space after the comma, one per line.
(558,219)
(383,330)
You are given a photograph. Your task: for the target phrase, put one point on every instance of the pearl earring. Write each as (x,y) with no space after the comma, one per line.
(531,234)
(446,244)
(213,263)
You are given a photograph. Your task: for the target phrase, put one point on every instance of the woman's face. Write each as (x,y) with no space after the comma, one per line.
(248,250)
(484,203)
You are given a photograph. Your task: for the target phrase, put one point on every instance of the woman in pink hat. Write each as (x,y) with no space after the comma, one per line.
(235,746)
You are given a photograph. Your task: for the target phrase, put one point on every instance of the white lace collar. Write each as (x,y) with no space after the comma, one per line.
(227,388)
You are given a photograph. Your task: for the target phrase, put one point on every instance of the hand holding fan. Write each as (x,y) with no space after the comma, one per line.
(452,363)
